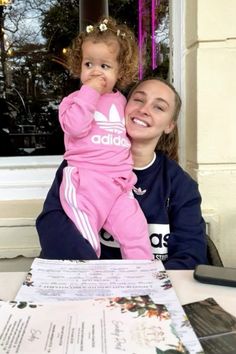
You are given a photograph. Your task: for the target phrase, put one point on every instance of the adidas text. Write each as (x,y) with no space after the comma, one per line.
(109,139)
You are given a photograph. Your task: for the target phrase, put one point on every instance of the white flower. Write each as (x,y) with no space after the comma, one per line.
(118,32)
(103,27)
(105,21)
(89,29)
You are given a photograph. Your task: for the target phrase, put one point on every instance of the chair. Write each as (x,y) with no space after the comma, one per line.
(213,254)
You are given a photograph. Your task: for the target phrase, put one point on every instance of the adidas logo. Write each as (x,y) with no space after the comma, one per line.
(139,191)
(114,123)
(109,139)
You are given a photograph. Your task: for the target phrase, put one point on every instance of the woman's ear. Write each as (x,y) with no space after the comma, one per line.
(170,127)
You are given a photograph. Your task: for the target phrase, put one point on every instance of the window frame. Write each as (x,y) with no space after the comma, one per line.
(27,177)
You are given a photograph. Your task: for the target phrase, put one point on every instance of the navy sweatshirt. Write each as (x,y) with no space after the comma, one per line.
(170,200)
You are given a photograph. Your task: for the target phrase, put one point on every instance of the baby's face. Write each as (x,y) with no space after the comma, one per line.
(100,62)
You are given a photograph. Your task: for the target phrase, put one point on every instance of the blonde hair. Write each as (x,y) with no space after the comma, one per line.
(168,143)
(105,30)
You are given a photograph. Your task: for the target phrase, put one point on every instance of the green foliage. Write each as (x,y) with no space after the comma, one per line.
(125,11)
(59,26)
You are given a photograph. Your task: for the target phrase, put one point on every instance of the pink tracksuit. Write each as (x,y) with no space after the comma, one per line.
(96,189)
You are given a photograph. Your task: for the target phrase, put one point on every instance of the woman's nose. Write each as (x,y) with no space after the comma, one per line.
(144,109)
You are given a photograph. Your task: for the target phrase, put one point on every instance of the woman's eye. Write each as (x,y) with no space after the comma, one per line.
(159,108)
(138,100)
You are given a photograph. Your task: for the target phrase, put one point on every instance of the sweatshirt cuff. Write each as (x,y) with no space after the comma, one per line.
(87,94)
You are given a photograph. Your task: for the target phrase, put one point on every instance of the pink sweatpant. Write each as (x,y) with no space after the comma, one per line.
(93,200)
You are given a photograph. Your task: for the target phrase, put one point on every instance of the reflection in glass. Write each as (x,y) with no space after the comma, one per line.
(34,37)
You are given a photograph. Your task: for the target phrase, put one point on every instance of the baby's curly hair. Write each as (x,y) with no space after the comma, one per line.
(105,30)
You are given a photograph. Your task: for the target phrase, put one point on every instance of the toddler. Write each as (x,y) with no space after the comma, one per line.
(96,190)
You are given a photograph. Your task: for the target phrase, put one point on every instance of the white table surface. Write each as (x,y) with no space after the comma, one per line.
(186,287)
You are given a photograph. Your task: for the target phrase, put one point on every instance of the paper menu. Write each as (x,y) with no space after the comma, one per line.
(50,280)
(132,325)
(56,280)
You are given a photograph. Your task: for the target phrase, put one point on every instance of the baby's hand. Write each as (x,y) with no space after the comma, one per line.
(98,83)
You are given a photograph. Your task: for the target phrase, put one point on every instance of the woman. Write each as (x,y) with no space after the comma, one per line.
(168,196)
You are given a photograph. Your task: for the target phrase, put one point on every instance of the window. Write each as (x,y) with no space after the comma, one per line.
(35,35)
(33,79)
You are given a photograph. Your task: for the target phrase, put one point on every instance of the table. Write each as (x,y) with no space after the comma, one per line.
(10,283)
(187,288)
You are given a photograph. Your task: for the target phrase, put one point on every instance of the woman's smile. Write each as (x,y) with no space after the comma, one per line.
(140,122)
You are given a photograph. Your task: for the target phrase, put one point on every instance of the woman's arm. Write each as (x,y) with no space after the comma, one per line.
(187,243)
(59,238)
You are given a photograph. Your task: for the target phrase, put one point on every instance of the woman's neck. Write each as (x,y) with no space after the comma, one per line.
(142,155)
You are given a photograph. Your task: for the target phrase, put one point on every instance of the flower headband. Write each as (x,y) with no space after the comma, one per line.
(103,27)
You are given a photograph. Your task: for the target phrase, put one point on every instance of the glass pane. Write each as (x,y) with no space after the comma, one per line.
(149,19)
(34,35)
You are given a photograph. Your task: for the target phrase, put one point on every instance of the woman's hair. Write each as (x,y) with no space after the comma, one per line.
(168,143)
(107,30)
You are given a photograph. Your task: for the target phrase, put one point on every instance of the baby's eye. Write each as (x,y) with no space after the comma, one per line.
(105,66)
(88,64)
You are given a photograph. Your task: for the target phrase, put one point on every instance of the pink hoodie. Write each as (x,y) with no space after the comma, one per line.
(95,135)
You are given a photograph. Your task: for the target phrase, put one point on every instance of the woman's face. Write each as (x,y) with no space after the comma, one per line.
(149,111)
